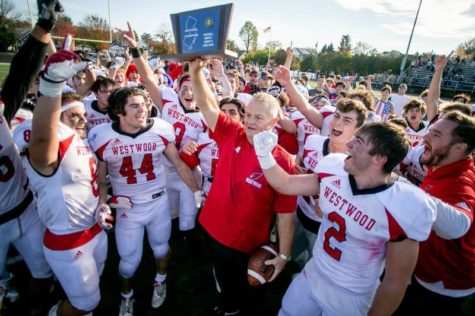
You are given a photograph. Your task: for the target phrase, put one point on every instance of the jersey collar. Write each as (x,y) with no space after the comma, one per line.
(116,128)
(356,191)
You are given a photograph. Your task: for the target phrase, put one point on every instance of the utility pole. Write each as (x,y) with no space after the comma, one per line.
(403,63)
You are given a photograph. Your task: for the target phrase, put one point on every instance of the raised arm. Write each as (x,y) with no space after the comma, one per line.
(202,92)
(143,67)
(288,58)
(44,143)
(218,71)
(282,75)
(278,178)
(434,88)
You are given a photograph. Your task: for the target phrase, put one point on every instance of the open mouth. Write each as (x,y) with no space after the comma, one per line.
(188,100)
(336,132)
(413,117)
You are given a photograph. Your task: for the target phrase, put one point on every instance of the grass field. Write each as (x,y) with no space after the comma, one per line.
(3,72)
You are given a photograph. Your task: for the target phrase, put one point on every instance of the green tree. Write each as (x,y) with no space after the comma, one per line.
(309,63)
(361,48)
(330,48)
(345,45)
(231,45)
(249,35)
(7,38)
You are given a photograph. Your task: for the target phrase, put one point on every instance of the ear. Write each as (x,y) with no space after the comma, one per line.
(379,160)
(461,147)
(274,121)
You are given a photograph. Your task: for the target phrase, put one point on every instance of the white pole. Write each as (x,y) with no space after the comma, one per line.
(403,62)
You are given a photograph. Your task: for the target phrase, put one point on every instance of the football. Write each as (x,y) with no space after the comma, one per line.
(257,272)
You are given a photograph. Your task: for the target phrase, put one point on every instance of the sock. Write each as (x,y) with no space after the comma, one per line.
(160,278)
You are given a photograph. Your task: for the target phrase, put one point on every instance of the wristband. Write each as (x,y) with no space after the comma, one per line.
(284,257)
(266,161)
(136,52)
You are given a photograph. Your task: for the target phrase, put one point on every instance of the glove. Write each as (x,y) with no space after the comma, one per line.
(103,216)
(48,11)
(264,143)
(59,67)
(120,201)
(198,198)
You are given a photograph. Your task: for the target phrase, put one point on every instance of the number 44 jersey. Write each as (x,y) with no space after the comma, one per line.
(358,223)
(134,161)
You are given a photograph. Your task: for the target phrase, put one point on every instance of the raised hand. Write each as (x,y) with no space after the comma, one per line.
(264,142)
(216,69)
(59,67)
(128,36)
(282,75)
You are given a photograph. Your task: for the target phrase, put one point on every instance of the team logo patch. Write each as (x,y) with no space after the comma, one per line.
(237,149)
(336,183)
(124,215)
(78,255)
(115,142)
(252,179)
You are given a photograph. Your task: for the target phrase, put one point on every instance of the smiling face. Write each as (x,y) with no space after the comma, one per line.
(259,118)
(438,143)
(359,160)
(135,117)
(342,126)
(186,96)
(232,111)
(75,118)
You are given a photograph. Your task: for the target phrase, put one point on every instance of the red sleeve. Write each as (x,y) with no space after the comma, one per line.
(191,160)
(289,142)
(285,203)
(226,129)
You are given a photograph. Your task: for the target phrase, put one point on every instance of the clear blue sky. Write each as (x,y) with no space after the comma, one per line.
(383,24)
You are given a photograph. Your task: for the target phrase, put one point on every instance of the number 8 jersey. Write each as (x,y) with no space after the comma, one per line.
(357,223)
(134,162)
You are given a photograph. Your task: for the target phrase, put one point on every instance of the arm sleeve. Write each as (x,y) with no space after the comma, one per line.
(24,68)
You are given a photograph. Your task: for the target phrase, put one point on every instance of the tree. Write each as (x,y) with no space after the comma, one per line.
(7,38)
(468,47)
(330,48)
(164,45)
(7,13)
(361,48)
(64,26)
(249,34)
(345,45)
(273,45)
(231,45)
(164,33)
(96,28)
(309,63)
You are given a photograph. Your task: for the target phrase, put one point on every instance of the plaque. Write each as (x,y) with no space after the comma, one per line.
(201,33)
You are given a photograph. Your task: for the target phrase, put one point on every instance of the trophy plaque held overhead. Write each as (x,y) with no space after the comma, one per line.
(201,33)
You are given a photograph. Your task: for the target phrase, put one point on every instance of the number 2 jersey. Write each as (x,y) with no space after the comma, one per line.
(134,161)
(357,223)
(67,199)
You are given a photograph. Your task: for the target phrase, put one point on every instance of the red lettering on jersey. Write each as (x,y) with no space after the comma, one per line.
(127,169)
(338,234)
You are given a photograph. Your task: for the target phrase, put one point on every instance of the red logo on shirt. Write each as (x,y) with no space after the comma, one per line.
(336,183)
(123,215)
(78,255)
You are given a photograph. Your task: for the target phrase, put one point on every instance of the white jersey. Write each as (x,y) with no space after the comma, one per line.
(94,115)
(187,126)
(67,199)
(304,129)
(135,162)
(412,166)
(208,155)
(13,180)
(316,147)
(327,112)
(357,223)
(415,136)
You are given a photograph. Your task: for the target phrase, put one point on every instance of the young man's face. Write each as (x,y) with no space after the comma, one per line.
(359,159)
(385,94)
(102,95)
(320,83)
(136,114)
(343,126)
(75,118)
(119,79)
(438,143)
(186,96)
(79,79)
(414,116)
(232,111)
(401,90)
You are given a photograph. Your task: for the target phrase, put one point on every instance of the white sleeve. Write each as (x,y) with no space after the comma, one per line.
(450,222)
